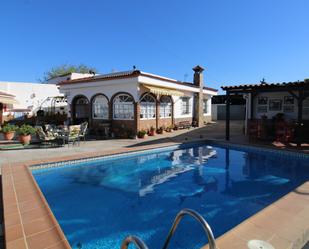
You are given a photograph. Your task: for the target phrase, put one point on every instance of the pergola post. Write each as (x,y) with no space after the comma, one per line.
(227,117)
(253,95)
(299,117)
(302,95)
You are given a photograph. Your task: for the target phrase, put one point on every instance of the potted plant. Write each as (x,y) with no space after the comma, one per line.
(152,131)
(8,131)
(176,127)
(25,132)
(160,130)
(141,134)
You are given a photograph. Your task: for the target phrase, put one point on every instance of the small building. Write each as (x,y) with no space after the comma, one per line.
(18,99)
(237,109)
(268,102)
(69,76)
(136,100)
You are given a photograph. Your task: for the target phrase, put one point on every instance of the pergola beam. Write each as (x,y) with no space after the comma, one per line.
(273,89)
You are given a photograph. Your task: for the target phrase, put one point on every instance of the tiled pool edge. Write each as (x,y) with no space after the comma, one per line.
(284,224)
(28,221)
(19,184)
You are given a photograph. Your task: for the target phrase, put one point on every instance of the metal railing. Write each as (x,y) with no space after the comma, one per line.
(135,240)
(141,245)
(200,219)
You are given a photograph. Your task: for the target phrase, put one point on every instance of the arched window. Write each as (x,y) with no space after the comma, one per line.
(123,107)
(100,107)
(165,107)
(81,108)
(148,107)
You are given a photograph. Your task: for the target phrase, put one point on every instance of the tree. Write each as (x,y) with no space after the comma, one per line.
(66,69)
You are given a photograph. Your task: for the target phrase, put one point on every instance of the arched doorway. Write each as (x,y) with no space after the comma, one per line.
(80,109)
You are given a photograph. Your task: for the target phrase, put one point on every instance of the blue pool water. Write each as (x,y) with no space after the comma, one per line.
(99,203)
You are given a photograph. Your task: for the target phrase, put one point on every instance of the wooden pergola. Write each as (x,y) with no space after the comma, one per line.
(299,90)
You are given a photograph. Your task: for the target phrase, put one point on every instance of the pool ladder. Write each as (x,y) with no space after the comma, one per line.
(141,245)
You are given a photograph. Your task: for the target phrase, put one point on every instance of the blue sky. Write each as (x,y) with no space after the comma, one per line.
(238,41)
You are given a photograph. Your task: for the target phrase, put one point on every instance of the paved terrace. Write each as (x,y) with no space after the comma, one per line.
(211,131)
(30,224)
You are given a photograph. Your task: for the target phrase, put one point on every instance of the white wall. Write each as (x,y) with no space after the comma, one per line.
(208,97)
(177,106)
(29,95)
(109,88)
(214,111)
(280,95)
(71,76)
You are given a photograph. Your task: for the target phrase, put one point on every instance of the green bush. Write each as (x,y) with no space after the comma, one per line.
(25,130)
(141,133)
(9,128)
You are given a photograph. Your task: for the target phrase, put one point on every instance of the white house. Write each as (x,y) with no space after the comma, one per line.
(69,76)
(135,100)
(20,98)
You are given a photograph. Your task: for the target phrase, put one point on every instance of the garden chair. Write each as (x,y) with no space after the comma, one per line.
(72,135)
(83,131)
(45,138)
(284,132)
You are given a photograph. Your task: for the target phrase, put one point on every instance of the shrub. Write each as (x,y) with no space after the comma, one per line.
(25,130)
(141,133)
(9,128)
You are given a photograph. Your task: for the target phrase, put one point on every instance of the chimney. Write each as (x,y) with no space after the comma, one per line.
(198,97)
(198,76)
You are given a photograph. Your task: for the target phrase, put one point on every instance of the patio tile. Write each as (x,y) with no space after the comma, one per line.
(13,233)
(278,242)
(21,196)
(291,234)
(39,225)
(44,239)
(8,205)
(17,244)
(31,204)
(11,220)
(25,189)
(248,231)
(11,209)
(231,241)
(290,206)
(31,198)
(9,197)
(61,245)
(33,215)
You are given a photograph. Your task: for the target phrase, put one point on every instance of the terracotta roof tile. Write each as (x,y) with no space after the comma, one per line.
(266,85)
(128,74)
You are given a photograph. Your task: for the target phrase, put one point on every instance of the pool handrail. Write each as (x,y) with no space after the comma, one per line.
(200,219)
(135,240)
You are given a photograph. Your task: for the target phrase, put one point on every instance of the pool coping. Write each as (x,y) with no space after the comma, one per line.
(29,222)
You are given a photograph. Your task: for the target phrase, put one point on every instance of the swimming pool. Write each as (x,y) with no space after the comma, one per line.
(98,203)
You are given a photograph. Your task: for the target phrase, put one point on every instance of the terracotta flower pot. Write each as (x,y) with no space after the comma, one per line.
(25,139)
(9,135)
(152,133)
